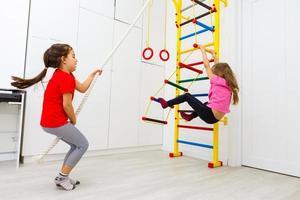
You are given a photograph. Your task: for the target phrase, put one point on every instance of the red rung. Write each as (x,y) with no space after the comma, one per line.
(181,65)
(154,120)
(196,127)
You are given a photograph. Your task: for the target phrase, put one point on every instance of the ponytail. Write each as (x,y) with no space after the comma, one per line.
(52,58)
(235,96)
(25,83)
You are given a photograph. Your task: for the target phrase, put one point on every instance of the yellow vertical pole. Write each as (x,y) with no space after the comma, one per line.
(217,28)
(216,162)
(178,6)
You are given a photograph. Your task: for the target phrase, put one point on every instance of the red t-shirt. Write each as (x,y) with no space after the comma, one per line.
(53,114)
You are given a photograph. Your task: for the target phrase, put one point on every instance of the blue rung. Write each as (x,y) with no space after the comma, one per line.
(211,28)
(193,34)
(195,144)
(200,95)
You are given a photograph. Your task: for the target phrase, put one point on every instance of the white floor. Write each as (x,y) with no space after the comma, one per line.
(147,175)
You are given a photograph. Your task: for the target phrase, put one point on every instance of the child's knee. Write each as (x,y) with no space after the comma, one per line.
(188,96)
(85,146)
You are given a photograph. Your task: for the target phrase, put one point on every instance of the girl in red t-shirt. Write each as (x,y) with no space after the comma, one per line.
(58,116)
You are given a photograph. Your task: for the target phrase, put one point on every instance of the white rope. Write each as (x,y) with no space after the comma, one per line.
(85,97)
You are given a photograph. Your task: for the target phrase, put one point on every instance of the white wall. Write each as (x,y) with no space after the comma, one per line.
(13,23)
(270,85)
(154,22)
(13,20)
(231,51)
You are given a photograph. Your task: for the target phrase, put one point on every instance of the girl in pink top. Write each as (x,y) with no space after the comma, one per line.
(223,88)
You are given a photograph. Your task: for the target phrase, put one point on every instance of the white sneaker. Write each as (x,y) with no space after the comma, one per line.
(65,183)
(74,182)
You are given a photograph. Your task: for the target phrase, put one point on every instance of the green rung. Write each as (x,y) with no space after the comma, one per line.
(193,79)
(175,85)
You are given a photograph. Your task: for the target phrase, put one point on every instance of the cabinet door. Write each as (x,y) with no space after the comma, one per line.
(126,11)
(94,43)
(124,108)
(13,23)
(9,119)
(54,20)
(103,7)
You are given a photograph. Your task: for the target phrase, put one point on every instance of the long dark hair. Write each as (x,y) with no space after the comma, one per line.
(223,70)
(52,58)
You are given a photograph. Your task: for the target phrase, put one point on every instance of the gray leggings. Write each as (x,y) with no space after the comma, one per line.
(73,137)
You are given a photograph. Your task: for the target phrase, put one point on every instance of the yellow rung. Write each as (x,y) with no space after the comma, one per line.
(186,18)
(188,50)
(194,49)
(209,44)
(225,2)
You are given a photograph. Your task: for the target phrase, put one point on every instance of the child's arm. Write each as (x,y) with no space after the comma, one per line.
(68,107)
(82,87)
(206,62)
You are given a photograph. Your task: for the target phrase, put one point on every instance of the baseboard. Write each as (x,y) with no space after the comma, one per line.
(7,156)
(93,153)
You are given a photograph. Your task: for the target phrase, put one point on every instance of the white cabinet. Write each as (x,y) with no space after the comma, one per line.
(111,116)
(11,129)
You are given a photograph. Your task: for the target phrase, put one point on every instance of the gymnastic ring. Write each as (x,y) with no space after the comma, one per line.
(161,55)
(151,53)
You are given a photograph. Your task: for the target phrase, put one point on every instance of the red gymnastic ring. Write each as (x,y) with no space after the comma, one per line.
(151,53)
(161,55)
